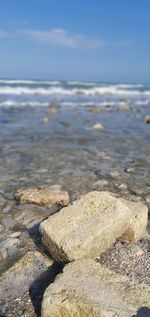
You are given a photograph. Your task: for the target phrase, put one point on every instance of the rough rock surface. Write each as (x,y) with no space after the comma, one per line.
(91,224)
(87,289)
(43,196)
(16,281)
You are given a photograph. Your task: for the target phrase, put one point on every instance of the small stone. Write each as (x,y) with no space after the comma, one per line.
(122,186)
(43,196)
(101,183)
(16,234)
(114,174)
(138,191)
(45,120)
(147,119)
(137,251)
(129,170)
(53,108)
(97,126)
(91,225)
(123,108)
(85,288)
(95,109)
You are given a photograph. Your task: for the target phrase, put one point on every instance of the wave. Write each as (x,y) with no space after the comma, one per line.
(28,82)
(15,104)
(59,90)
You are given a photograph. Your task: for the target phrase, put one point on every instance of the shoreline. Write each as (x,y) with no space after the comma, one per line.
(42,147)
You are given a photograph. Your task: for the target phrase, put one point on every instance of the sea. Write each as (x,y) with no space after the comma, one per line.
(34,93)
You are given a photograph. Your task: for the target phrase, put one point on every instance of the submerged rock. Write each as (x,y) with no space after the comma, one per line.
(53,108)
(91,225)
(123,108)
(87,289)
(97,126)
(18,279)
(147,119)
(43,196)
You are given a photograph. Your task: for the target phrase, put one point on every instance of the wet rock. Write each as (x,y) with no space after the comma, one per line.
(129,170)
(92,224)
(6,210)
(87,289)
(43,196)
(9,246)
(123,108)
(97,126)
(17,280)
(53,108)
(139,191)
(101,183)
(95,109)
(122,186)
(45,120)
(114,174)
(8,222)
(147,119)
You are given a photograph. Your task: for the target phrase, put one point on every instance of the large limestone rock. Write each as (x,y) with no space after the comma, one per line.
(43,196)
(91,224)
(16,281)
(86,289)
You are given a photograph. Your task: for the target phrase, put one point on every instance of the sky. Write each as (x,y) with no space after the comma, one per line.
(91,40)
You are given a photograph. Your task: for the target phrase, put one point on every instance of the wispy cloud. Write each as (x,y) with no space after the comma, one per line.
(4,34)
(61,37)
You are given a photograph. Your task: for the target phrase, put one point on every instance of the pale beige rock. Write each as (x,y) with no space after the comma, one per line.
(43,196)
(87,289)
(91,225)
(97,126)
(18,279)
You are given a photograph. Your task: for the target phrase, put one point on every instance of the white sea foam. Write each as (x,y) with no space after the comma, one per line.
(28,82)
(59,90)
(13,103)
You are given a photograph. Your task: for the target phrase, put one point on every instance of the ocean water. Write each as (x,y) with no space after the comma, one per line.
(20,93)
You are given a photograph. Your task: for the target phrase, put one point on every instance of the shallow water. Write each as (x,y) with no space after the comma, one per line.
(39,148)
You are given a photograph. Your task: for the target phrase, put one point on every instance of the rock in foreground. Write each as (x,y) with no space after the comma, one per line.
(43,196)
(91,225)
(18,279)
(87,289)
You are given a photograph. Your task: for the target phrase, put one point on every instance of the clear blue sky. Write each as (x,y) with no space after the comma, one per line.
(102,40)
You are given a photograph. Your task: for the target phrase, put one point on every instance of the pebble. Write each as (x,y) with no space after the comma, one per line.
(114,174)
(101,182)
(129,170)
(147,119)
(97,126)
(122,186)
(123,108)
(16,234)
(45,120)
